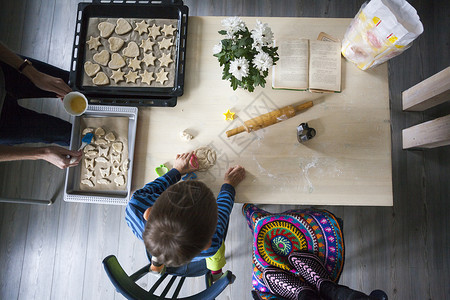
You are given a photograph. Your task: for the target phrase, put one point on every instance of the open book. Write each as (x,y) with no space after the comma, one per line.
(308,65)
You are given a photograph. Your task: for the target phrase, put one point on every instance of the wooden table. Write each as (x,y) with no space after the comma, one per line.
(347,163)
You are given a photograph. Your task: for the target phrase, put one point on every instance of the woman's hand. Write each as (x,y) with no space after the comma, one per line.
(182,163)
(46,82)
(61,157)
(234,175)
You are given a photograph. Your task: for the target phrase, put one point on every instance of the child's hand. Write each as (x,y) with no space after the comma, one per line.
(182,163)
(234,175)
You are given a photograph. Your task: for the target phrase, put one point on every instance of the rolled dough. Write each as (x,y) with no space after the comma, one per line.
(206,158)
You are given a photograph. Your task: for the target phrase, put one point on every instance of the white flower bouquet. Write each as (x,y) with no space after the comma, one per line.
(246,56)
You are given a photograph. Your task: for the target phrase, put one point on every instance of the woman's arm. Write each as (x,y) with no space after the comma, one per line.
(53,154)
(41,80)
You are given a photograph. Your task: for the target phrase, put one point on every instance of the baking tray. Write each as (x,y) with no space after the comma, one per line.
(130,96)
(72,192)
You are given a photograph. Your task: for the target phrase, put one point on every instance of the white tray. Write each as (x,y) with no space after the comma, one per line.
(72,193)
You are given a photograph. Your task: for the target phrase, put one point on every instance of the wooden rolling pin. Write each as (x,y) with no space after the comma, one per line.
(270,118)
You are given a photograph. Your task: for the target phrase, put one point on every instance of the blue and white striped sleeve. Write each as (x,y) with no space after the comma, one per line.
(225,202)
(145,198)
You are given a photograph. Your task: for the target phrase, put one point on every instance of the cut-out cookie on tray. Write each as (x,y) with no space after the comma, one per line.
(168,30)
(131,77)
(117,76)
(132,50)
(122,26)
(115,43)
(141,27)
(100,79)
(134,64)
(149,59)
(94,43)
(91,69)
(161,76)
(102,58)
(106,29)
(147,77)
(147,45)
(116,62)
(154,31)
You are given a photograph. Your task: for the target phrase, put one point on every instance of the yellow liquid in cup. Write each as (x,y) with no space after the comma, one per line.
(77,105)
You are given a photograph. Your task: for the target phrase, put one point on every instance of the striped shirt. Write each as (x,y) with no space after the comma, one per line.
(146,197)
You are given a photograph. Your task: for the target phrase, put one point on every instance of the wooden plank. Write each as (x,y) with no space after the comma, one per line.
(431,134)
(13,236)
(102,241)
(428,93)
(70,254)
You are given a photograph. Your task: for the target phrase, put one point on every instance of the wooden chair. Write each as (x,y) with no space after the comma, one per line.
(126,284)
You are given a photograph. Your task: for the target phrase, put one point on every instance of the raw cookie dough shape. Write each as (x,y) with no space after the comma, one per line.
(147,45)
(89,148)
(120,180)
(103,151)
(168,30)
(115,170)
(91,69)
(89,163)
(102,58)
(131,76)
(101,159)
(87,130)
(100,79)
(132,50)
(118,147)
(165,43)
(110,137)
(206,158)
(105,172)
(149,59)
(99,131)
(103,181)
(89,173)
(123,26)
(106,29)
(87,182)
(154,31)
(141,27)
(117,61)
(147,77)
(115,43)
(134,64)
(165,60)
(94,43)
(185,136)
(161,76)
(117,75)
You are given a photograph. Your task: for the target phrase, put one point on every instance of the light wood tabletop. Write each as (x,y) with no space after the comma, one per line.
(348,162)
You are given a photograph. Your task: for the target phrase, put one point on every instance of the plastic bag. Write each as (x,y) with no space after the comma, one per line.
(380,30)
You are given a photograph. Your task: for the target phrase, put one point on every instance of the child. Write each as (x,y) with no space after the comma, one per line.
(180,223)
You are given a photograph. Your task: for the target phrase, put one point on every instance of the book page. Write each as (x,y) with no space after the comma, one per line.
(291,70)
(325,66)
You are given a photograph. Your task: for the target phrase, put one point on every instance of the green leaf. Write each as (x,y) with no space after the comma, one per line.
(222,32)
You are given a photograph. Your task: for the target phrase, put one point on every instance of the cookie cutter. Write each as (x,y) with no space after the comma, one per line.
(190,175)
(305,133)
(161,170)
(194,161)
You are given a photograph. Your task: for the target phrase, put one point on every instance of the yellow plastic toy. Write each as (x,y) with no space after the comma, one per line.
(229,115)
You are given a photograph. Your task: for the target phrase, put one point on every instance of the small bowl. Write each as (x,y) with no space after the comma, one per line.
(75,103)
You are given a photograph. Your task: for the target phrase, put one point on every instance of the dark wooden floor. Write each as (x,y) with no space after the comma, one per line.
(55,252)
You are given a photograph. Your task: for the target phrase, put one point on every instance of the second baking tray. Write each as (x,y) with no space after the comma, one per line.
(130,96)
(72,192)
